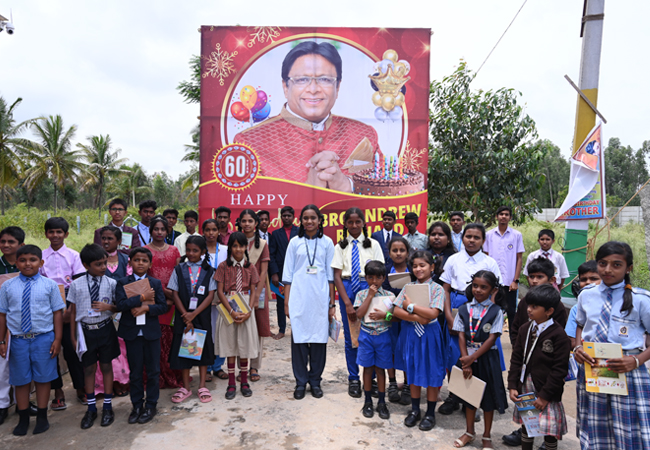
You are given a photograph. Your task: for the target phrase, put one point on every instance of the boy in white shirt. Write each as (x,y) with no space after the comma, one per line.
(546,239)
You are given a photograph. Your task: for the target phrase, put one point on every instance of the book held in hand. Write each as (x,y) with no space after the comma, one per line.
(471,390)
(238,301)
(138,288)
(418,294)
(528,413)
(598,377)
(379,303)
(192,344)
(335,330)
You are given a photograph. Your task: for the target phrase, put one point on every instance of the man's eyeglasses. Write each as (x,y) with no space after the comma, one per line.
(321,81)
(117,209)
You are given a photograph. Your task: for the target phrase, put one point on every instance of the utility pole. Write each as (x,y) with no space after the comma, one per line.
(591,31)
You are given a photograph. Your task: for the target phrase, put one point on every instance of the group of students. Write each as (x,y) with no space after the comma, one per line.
(191,275)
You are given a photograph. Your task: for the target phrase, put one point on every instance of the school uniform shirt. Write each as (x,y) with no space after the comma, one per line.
(417,241)
(310,293)
(504,248)
(476,309)
(79,294)
(223,239)
(457,240)
(194,269)
(264,235)
(143,233)
(436,295)
(171,238)
(460,267)
(135,239)
(521,318)
(45,299)
(343,257)
(373,328)
(61,265)
(228,276)
(627,329)
(561,269)
(180,241)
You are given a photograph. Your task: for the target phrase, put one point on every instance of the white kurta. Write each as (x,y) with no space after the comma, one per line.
(309,296)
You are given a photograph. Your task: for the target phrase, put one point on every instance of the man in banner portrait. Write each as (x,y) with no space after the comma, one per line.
(305,142)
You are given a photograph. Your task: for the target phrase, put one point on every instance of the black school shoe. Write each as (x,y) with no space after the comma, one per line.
(316,392)
(405,398)
(382,409)
(299,392)
(412,419)
(4,412)
(231,392)
(367,410)
(393,393)
(513,439)
(246,390)
(88,419)
(354,388)
(427,423)
(108,417)
(135,414)
(147,416)
(449,406)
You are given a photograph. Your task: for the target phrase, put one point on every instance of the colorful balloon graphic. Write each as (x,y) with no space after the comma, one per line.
(253,105)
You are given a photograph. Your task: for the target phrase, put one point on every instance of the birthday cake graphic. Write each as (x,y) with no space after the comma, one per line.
(387,179)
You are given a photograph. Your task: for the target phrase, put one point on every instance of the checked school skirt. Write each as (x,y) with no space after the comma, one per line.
(612,422)
(552,420)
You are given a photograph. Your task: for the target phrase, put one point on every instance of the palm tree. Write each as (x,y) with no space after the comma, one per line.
(130,182)
(101,164)
(51,156)
(11,163)
(193,155)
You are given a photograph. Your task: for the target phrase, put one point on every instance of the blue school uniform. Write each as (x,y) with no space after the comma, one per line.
(422,346)
(396,327)
(375,346)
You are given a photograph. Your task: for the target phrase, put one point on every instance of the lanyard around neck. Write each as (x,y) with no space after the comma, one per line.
(311,260)
(472,331)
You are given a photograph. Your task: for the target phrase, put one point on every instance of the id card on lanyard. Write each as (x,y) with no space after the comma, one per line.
(194,301)
(311,268)
(471,346)
(526,354)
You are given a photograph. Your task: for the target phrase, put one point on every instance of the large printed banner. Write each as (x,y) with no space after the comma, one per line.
(337,117)
(586,197)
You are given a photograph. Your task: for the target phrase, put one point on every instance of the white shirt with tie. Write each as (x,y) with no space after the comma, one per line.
(561,269)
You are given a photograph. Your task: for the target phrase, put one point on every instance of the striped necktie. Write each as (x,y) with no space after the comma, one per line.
(94,290)
(602,328)
(240,278)
(356,268)
(546,255)
(26,308)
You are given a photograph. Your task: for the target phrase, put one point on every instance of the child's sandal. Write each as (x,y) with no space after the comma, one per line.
(180,395)
(489,440)
(204,395)
(458,443)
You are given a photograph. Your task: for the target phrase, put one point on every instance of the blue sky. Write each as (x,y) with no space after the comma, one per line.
(112,67)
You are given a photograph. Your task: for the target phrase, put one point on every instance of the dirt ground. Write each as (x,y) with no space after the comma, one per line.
(270,419)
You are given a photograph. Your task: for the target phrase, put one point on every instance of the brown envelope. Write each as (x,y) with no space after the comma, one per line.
(418,294)
(469,390)
(137,288)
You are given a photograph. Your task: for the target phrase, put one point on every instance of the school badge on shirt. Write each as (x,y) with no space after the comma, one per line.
(622,332)
(487,327)
(547,346)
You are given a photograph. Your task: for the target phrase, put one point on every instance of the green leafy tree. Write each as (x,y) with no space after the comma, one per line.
(556,169)
(191,89)
(11,163)
(163,189)
(131,182)
(192,154)
(481,152)
(625,172)
(51,155)
(102,163)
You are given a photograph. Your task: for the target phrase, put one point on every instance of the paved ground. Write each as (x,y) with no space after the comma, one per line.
(270,419)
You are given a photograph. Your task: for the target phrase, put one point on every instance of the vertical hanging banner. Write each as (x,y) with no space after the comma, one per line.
(337,117)
(586,197)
